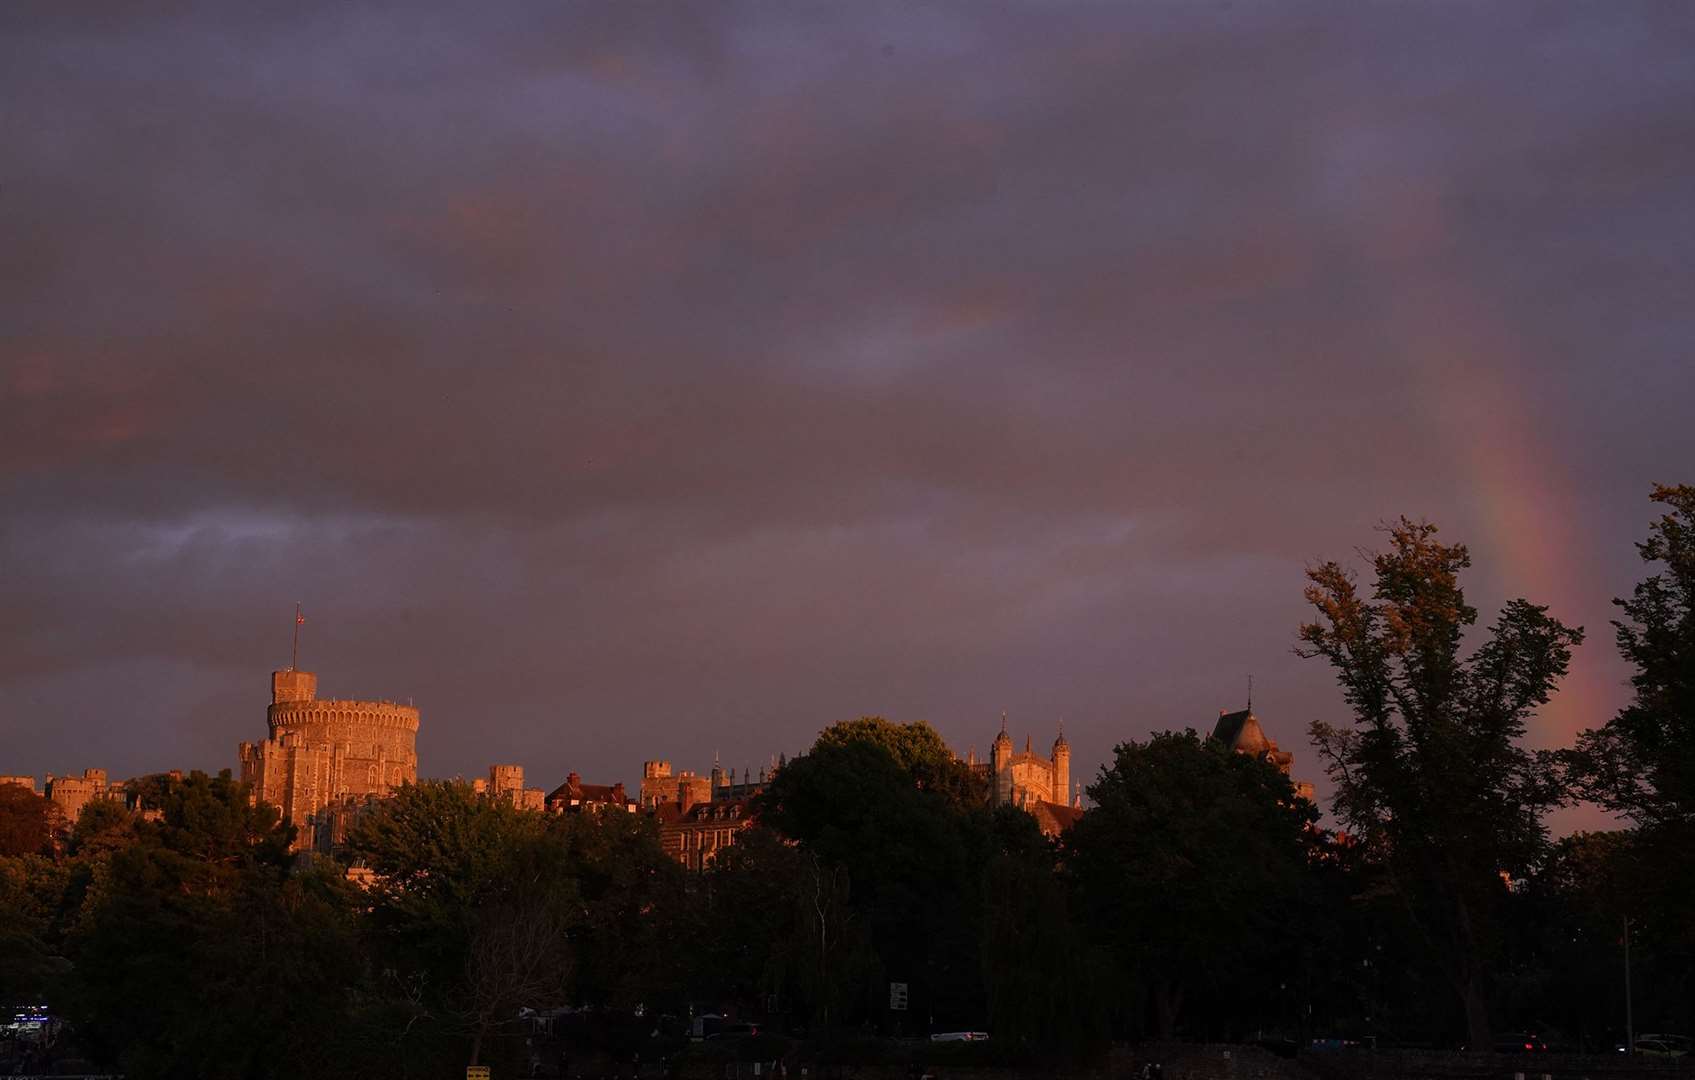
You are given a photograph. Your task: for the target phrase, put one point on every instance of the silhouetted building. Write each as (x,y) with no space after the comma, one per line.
(1241,732)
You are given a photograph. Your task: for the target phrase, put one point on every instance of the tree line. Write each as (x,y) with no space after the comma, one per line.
(1198,897)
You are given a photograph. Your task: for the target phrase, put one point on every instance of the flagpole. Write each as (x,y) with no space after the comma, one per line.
(295,663)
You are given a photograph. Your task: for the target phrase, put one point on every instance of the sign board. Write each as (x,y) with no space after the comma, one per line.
(476,1072)
(897,996)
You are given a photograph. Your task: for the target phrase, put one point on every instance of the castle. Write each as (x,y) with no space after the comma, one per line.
(1040,786)
(68,796)
(325,753)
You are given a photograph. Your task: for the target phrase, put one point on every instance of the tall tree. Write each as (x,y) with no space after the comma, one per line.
(1641,763)
(1189,866)
(25,828)
(469,909)
(898,830)
(1039,969)
(918,749)
(1431,774)
(189,938)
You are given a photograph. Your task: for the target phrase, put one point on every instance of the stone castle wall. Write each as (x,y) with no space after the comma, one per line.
(378,740)
(322,752)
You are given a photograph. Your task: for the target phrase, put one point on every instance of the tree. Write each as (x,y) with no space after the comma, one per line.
(1039,971)
(1431,775)
(31,889)
(516,958)
(899,837)
(625,928)
(469,909)
(917,749)
(1564,942)
(1641,763)
(25,828)
(187,940)
(1189,866)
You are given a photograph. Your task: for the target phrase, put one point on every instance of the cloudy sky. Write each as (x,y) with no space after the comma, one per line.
(630,381)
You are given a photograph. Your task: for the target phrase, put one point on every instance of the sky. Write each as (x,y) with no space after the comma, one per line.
(640,381)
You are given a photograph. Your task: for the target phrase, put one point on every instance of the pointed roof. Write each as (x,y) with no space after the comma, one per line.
(1240,730)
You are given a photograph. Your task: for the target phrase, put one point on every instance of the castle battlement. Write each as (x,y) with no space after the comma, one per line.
(386,714)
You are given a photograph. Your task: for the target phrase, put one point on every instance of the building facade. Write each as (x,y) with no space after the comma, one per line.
(698,815)
(696,834)
(324,752)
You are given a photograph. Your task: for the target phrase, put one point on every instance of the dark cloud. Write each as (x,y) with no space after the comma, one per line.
(635,380)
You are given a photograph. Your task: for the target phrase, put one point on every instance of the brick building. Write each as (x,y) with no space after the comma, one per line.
(576,797)
(695,834)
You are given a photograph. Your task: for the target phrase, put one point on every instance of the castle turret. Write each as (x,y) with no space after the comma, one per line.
(1061,766)
(1000,761)
(292,685)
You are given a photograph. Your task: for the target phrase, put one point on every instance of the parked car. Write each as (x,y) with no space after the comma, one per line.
(960,1036)
(1519,1042)
(1666,1046)
(735,1031)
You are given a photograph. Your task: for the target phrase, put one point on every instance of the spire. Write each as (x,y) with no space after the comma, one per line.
(1060,741)
(1003,721)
